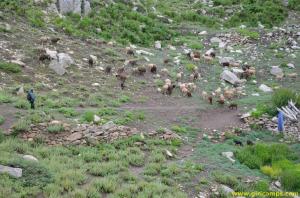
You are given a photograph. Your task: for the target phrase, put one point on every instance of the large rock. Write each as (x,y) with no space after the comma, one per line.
(265,88)
(230,77)
(74,136)
(227,190)
(15,172)
(60,63)
(228,155)
(276,71)
(30,158)
(73,6)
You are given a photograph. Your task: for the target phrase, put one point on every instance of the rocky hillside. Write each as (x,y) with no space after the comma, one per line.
(172,98)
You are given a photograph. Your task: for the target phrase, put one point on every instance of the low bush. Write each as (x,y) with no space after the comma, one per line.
(22,104)
(282,96)
(290,179)
(68,112)
(20,126)
(248,33)
(9,67)
(294,5)
(88,116)
(2,120)
(55,128)
(190,67)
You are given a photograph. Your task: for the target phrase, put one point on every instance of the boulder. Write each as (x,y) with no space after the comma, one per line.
(226,189)
(223,60)
(108,125)
(276,71)
(20,91)
(215,40)
(74,136)
(96,118)
(157,44)
(265,88)
(230,77)
(18,62)
(202,33)
(15,172)
(61,62)
(237,71)
(51,53)
(228,155)
(291,65)
(30,158)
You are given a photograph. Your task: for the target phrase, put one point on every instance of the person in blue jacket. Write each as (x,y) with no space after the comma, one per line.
(31,98)
(280,122)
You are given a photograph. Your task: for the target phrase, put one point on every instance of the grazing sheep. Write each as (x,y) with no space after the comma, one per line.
(208,59)
(250,143)
(191,87)
(238,143)
(129,51)
(44,57)
(168,82)
(107,69)
(142,70)
(229,93)
(122,77)
(165,71)
(121,70)
(179,76)
(91,61)
(195,76)
(204,95)
(54,40)
(210,100)
(168,89)
(233,106)
(221,101)
(153,68)
(218,91)
(226,64)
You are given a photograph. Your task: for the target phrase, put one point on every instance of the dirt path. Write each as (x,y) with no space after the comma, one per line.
(9,114)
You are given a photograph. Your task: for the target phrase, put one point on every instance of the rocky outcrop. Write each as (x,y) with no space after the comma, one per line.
(81,7)
(230,77)
(15,172)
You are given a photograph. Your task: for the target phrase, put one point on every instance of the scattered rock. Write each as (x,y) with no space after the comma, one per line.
(74,136)
(202,33)
(291,65)
(157,44)
(277,184)
(229,155)
(60,63)
(18,62)
(96,118)
(265,88)
(168,153)
(215,40)
(20,91)
(15,172)
(276,71)
(230,77)
(226,189)
(73,6)
(108,125)
(30,158)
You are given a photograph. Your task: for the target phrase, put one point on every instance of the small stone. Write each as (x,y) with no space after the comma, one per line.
(265,88)
(30,157)
(15,172)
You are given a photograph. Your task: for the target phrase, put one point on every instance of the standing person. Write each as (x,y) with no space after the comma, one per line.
(280,122)
(31,98)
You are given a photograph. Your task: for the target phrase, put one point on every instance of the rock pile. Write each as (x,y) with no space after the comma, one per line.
(81,134)
(291,130)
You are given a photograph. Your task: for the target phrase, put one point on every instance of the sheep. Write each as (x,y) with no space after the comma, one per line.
(218,91)
(165,71)
(153,68)
(122,77)
(191,87)
(54,40)
(229,93)
(166,61)
(43,57)
(179,76)
(208,59)
(194,76)
(204,95)
(168,89)
(233,106)
(129,51)
(91,61)
(168,82)
(141,70)
(107,69)
(210,99)
(221,100)
(238,143)
(121,70)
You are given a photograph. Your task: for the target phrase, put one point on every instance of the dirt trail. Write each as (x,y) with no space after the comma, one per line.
(9,114)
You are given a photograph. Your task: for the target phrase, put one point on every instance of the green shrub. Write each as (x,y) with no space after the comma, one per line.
(290,180)
(5,98)
(294,5)
(271,171)
(2,120)
(22,104)
(68,112)
(190,67)
(88,116)
(179,129)
(21,125)
(226,179)
(9,67)
(248,33)
(55,128)
(282,96)
(261,186)
(35,17)
(106,185)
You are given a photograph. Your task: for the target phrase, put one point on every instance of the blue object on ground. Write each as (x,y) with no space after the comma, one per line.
(280,121)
